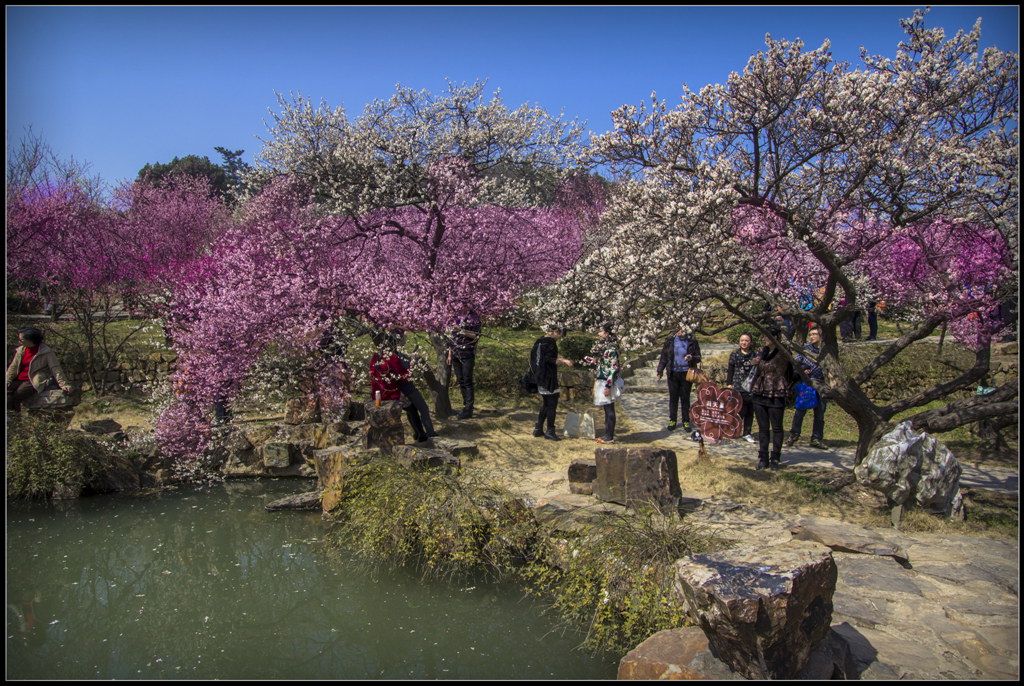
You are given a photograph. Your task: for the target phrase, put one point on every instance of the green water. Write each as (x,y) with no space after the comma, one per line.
(205,584)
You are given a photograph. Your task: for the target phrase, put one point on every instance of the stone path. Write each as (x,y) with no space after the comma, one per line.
(919,606)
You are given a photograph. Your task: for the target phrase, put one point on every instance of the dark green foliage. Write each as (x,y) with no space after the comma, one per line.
(44,458)
(190,165)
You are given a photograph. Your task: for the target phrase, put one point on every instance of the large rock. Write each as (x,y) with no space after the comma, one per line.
(763,609)
(674,654)
(582,473)
(331,465)
(301,501)
(278,454)
(909,467)
(383,429)
(464,450)
(633,476)
(846,537)
(302,410)
(417,458)
(100,427)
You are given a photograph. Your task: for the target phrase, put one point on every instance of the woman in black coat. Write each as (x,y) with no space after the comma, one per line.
(544,362)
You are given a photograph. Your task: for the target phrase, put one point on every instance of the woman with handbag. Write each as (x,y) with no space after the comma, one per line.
(680,355)
(607,382)
(33,370)
(544,361)
(740,377)
(769,391)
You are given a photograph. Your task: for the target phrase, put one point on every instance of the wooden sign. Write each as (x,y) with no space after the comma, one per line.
(716,413)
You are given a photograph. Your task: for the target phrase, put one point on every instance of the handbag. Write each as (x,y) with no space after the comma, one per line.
(696,376)
(806,396)
(528,383)
(747,385)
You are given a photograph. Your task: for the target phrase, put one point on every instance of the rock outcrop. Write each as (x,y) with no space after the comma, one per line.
(636,476)
(763,609)
(910,467)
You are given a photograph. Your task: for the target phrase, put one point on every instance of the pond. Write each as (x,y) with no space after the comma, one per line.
(205,584)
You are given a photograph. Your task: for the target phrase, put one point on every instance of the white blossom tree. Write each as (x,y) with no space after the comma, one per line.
(894,181)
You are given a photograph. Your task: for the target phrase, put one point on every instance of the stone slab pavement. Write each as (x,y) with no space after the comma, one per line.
(921,606)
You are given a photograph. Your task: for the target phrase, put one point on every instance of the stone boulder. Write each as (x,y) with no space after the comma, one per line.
(633,476)
(278,454)
(914,468)
(582,473)
(301,410)
(101,427)
(331,465)
(383,429)
(300,501)
(417,458)
(674,654)
(464,450)
(763,609)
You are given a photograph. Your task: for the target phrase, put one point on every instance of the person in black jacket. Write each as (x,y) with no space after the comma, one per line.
(679,354)
(739,370)
(544,362)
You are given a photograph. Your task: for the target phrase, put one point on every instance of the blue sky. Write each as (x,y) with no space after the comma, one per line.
(120,87)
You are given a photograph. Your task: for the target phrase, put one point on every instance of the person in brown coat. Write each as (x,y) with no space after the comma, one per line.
(771,386)
(33,369)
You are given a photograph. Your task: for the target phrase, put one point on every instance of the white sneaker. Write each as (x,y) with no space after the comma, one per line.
(748,438)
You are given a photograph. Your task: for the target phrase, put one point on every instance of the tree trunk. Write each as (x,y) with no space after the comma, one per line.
(439,377)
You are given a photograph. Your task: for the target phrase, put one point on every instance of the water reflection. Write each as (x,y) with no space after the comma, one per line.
(206,584)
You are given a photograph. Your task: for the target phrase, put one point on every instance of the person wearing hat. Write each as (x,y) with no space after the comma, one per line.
(679,354)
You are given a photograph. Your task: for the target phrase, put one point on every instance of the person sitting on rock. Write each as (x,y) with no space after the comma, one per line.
(386,374)
(33,370)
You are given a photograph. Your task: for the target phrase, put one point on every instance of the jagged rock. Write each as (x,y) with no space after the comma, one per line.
(300,501)
(845,537)
(582,473)
(573,512)
(303,410)
(426,458)
(674,654)
(383,429)
(910,467)
(763,609)
(278,454)
(100,427)
(633,476)
(330,466)
(464,450)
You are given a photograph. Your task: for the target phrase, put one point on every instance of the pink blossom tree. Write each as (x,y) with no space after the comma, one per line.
(286,271)
(98,259)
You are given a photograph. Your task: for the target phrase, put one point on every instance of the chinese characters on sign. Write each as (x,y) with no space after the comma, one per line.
(716,413)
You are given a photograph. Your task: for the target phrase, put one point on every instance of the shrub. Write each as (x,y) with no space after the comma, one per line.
(618,580)
(44,458)
(439,522)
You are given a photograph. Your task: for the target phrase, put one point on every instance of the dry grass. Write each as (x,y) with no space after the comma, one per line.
(511,455)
